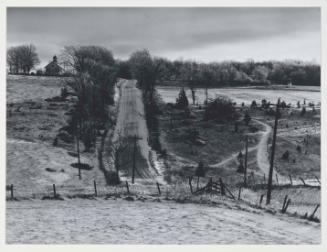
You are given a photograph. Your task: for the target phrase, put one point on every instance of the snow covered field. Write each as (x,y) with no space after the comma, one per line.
(21,88)
(125,222)
(246,95)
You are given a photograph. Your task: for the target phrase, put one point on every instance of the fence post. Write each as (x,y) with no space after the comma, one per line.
(158,186)
(222,188)
(190,183)
(287,204)
(261,199)
(284,203)
(197,183)
(291,181)
(54,191)
(277,179)
(127,187)
(318,180)
(252,174)
(303,181)
(12,191)
(210,183)
(314,211)
(239,192)
(264,178)
(95,189)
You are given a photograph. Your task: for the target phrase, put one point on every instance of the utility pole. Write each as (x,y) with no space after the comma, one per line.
(134,158)
(78,154)
(272,154)
(246,160)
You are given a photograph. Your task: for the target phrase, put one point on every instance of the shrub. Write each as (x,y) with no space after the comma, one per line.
(254,104)
(286,155)
(264,104)
(283,105)
(64,92)
(200,170)
(39,72)
(247,118)
(182,101)
(220,109)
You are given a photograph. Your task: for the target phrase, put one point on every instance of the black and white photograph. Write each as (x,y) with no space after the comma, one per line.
(163,125)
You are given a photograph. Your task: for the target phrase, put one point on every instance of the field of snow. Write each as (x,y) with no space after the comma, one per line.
(21,88)
(124,222)
(246,95)
(27,164)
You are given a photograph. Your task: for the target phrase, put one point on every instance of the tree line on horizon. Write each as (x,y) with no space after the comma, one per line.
(233,73)
(22,59)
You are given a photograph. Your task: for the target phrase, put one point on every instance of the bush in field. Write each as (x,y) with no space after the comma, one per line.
(200,170)
(39,72)
(247,118)
(265,104)
(286,155)
(221,109)
(64,92)
(182,101)
(303,111)
(254,104)
(283,105)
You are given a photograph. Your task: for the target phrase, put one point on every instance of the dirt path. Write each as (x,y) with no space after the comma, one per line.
(122,222)
(261,147)
(262,154)
(131,122)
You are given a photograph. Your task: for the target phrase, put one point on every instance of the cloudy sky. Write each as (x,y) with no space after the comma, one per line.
(204,34)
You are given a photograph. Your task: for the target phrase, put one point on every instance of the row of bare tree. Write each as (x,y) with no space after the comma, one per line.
(21,59)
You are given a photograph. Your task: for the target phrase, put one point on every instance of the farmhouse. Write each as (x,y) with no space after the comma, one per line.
(53,68)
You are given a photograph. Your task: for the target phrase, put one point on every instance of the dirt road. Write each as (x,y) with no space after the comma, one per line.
(123,222)
(130,123)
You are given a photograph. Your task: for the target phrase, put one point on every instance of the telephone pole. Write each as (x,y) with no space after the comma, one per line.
(246,160)
(78,154)
(134,158)
(272,154)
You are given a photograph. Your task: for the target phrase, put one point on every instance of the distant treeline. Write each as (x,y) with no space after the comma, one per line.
(22,59)
(232,73)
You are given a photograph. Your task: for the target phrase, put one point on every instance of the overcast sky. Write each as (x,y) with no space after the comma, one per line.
(204,34)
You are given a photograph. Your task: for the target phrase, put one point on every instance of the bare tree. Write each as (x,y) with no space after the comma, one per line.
(21,59)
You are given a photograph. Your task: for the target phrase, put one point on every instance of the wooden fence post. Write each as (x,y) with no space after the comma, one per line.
(239,192)
(190,183)
(210,185)
(303,181)
(314,211)
(286,206)
(252,174)
(261,199)
(284,203)
(291,181)
(95,188)
(127,187)
(277,179)
(230,193)
(264,178)
(197,183)
(222,187)
(158,186)
(54,191)
(12,191)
